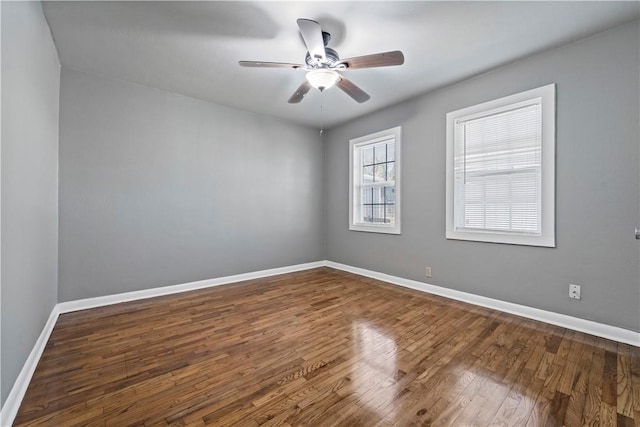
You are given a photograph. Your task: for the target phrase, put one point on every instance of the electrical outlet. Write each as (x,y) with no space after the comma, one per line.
(428,272)
(574,291)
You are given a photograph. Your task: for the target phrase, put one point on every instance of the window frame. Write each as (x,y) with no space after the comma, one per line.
(547,96)
(355,177)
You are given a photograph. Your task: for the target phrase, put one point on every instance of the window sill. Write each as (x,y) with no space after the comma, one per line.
(547,241)
(383,229)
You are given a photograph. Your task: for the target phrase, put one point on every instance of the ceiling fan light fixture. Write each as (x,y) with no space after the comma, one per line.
(322,78)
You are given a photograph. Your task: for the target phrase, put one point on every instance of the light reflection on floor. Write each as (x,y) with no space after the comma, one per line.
(376,367)
(474,392)
(375,386)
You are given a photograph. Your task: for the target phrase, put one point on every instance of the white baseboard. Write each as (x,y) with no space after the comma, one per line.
(14,399)
(582,325)
(83,304)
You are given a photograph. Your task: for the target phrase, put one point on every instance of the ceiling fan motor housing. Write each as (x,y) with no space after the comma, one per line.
(331,61)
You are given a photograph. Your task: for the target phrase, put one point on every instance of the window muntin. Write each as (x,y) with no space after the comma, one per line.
(374,182)
(500,170)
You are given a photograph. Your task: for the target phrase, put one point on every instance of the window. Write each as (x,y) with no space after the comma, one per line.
(501,170)
(374,182)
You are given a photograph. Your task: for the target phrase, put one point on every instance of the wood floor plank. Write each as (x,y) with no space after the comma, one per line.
(578,392)
(324,348)
(624,393)
(591,412)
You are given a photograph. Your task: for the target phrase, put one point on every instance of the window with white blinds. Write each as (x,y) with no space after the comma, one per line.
(500,170)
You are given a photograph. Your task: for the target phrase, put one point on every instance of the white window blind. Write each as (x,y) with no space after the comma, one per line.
(498,170)
(500,183)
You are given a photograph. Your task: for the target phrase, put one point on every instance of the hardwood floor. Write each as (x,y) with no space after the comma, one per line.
(324,348)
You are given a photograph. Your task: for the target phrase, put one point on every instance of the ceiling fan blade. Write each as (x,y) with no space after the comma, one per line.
(312,35)
(260,64)
(352,90)
(384,59)
(300,92)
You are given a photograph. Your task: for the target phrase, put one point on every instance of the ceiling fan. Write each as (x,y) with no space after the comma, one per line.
(323,63)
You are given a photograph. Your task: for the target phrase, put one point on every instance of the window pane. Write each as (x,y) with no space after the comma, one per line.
(378,213)
(524,217)
(474,216)
(497,189)
(391,151)
(380,172)
(473,191)
(391,171)
(525,187)
(367,196)
(500,166)
(509,140)
(367,215)
(367,175)
(367,156)
(381,153)
(390,214)
(389,195)
(497,217)
(378,195)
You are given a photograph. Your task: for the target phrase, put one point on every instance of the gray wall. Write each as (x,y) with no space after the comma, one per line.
(30,94)
(159,189)
(596,178)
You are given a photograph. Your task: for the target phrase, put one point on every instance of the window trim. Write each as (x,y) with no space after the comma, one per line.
(547,95)
(393,133)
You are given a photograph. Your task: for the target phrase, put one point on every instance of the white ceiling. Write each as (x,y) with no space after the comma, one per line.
(193,48)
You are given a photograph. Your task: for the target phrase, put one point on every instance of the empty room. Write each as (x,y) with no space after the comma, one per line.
(344,213)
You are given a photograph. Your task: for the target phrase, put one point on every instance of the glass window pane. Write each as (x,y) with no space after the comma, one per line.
(367,174)
(391,151)
(378,195)
(389,195)
(391,171)
(367,196)
(378,213)
(381,153)
(474,216)
(500,159)
(380,172)
(524,217)
(391,214)
(367,156)
(367,215)
(497,216)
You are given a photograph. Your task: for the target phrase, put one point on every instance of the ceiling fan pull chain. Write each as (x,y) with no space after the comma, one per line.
(321,102)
